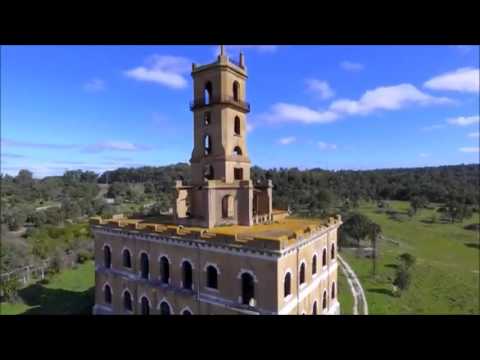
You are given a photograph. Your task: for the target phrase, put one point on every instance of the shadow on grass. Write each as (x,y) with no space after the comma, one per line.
(48,301)
(382,291)
(473,245)
(392,266)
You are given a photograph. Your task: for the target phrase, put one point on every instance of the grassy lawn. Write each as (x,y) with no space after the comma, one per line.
(70,292)
(345,296)
(445,279)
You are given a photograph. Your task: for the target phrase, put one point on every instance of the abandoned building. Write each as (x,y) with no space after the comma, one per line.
(224,250)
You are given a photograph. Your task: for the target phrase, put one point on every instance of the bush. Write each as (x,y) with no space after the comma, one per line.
(403,278)
(408,260)
(83,256)
(9,290)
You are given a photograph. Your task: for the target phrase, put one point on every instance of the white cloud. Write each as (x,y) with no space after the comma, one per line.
(386,98)
(474,135)
(424,155)
(325,146)
(115,146)
(464,121)
(94,85)
(351,66)
(283,112)
(473,149)
(163,69)
(320,88)
(287,140)
(463,80)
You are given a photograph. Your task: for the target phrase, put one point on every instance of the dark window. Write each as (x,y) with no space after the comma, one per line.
(227,207)
(238,173)
(302,273)
(164,270)
(287,285)
(207,118)
(165,308)
(127,259)
(212,277)
(324,257)
(145,306)
(108,294)
(186,312)
(236,88)
(144,266)
(187,275)
(314,265)
(207,145)
(207,93)
(324,300)
(237,125)
(314,311)
(127,301)
(332,252)
(208,172)
(333,290)
(248,288)
(107,257)
(237,151)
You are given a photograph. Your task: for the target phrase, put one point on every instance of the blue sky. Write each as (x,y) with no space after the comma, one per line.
(335,107)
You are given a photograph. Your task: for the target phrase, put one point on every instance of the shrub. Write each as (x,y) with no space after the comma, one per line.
(9,290)
(403,278)
(408,260)
(83,256)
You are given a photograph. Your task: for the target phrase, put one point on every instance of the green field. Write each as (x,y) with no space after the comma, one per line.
(445,279)
(70,292)
(345,296)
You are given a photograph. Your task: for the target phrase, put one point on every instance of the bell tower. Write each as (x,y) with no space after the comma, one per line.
(221,192)
(219,121)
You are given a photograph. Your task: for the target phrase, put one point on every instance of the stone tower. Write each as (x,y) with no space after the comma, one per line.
(221,192)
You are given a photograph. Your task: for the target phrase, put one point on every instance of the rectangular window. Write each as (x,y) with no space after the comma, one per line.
(238,174)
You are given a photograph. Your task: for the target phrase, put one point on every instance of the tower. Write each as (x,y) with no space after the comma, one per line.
(221,192)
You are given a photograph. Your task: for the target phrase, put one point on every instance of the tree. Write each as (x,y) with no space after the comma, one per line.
(375,232)
(24,177)
(408,260)
(410,213)
(418,202)
(357,226)
(403,278)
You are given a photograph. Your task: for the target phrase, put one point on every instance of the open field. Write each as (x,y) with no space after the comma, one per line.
(345,296)
(445,279)
(69,292)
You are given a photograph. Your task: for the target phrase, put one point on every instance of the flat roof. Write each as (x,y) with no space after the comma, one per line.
(274,236)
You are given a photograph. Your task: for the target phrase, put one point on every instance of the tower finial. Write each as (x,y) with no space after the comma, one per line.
(222,50)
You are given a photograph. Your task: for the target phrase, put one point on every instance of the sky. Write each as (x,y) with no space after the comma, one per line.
(334,107)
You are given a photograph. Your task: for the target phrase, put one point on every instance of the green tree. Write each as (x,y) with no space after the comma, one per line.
(417,203)
(408,260)
(403,278)
(357,226)
(375,232)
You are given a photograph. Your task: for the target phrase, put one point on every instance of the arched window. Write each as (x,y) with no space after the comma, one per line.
(332,252)
(227,207)
(314,311)
(144,266)
(324,300)
(186,312)
(165,308)
(207,93)
(127,259)
(206,118)
(207,144)
(324,257)
(287,284)
(127,301)
(248,288)
(107,256)
(314,264)
(164,270)
(108,294)
(236,89)
(237,151)
(237,125)
(302,273)
(212,277)
(208,172)
(187,274)
(145,308)
(333,290)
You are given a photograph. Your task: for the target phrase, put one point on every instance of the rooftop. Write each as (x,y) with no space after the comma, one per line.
(274,236)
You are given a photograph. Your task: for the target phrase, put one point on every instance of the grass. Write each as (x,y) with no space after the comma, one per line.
(445,279)
(345,296)
(69,292)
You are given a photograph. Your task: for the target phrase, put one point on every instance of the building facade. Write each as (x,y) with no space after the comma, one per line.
(224,250)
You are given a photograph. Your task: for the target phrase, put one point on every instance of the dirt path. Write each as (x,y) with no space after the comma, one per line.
(360,306)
